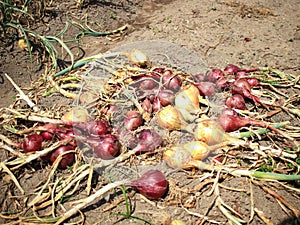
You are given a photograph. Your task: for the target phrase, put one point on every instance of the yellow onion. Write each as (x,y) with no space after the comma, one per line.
(177,157)
(198,149)
(76,114)
(210,132)
(188,99)
(177,222)
(170,118)
(138,58)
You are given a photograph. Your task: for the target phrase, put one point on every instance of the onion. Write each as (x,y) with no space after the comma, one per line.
(199,77)
(236,101)
(232,69)
(152,184)
(253,81)
(157,72)
(148,141)
(166,97)
(32,143)
(97,128)
(188,99)
(138,58)
(222,83)
(240,74)
(147,84)
(169,117)
(209,132)
(106,146)
(232,122)
(171,81)
(147,106)
(242,87)
(67,159)
(109,110)
(214,74)
(206,88)
(47,135)
(133,120)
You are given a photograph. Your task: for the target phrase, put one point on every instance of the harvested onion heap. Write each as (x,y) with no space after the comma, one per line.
(171,98)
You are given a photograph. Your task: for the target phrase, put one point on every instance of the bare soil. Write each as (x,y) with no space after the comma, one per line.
(246,33)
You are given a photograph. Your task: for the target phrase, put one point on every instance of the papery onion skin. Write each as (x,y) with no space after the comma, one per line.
(152,184)
(67,159)
(32,143)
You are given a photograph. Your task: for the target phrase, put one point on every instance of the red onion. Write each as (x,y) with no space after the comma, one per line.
(133,120)
(127,138)
(152,184)
(166,97)
(109,110)
(253,81)
(240,74)
(157,72)
(147,106)
(97,128)
(148,141)
(242,87)
(47,135)
(199,77)
(236,101)
(214,74)
(231,69)
(147,84)
(206,88)
(232,122)
(32,143)
(222,83)
(170,81)
(67,160)
(106,146)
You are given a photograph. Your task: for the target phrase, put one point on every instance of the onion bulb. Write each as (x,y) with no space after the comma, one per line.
(133,120)
(208,131)
(138,58)
(171,81)
(67,159)
(236,102)
(152,184)
(188,99)
(169,117)
(32,143)
(76,114)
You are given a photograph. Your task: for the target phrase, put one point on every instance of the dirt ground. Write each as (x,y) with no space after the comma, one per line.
(246,33)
